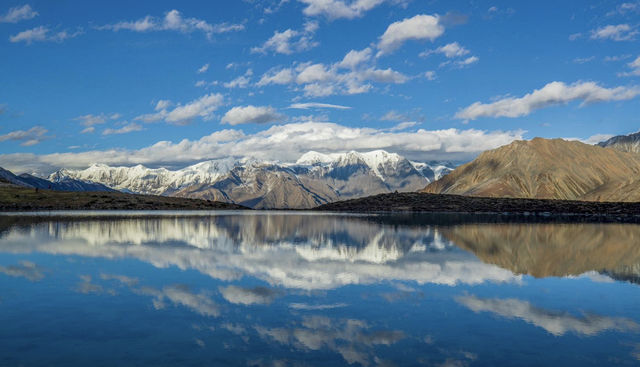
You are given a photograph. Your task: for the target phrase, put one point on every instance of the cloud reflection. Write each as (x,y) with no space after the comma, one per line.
(556,323)
(24,269)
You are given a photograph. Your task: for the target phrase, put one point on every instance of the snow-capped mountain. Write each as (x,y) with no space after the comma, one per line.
(314,179)
(61,184)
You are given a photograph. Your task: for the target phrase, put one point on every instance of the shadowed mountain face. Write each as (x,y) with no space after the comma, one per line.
(625,143)
(547,169)
(553,250)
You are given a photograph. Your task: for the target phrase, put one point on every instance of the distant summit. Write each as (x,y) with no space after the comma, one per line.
(547,169)
(625,143)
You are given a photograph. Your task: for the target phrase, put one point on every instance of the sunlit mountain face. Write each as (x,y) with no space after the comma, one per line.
(271,289)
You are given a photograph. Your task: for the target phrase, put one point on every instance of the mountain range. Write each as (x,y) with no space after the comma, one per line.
(548,169)
(314,179)
(56,184)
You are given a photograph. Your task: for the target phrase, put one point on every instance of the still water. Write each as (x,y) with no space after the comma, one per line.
(281,289)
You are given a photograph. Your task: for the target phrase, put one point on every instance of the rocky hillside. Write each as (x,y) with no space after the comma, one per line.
(547,169)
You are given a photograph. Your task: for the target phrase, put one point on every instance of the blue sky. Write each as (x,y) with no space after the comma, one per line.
(165,83)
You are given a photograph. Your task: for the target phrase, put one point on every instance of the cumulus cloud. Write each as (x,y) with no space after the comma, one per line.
(128,128)
(309,105)
(251,115)
(419,27)
(249,296)
(556,323)
(554,93)
(18,13)
(24,269)
(27,138)
(280,142)
(42,34)
(173,21)
(335,9)
(290,41)
(620,32)
(202,107)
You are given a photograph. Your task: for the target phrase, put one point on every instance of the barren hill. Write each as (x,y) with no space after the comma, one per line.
(547,169)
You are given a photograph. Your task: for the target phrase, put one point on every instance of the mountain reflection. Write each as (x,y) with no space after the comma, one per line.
(293,251)
(326,251)
(544,250)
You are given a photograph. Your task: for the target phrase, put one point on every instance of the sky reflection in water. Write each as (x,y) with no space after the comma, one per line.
(289,290)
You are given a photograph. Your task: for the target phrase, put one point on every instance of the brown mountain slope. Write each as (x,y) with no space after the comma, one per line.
(547,169)
(544,250)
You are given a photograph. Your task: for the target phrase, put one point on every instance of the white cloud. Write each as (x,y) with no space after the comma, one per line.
(241,81)
(42,34)
(319,80)
(290,41)
(583,60)
(620,32)
(419,27)
(280,142)
(335,9)
(635,68)
(354,58)
(574,36)
(450,50)
(430,75)
(468,61)
(18,13)
(280,77)
(308,105)
(28,138)
(595,139)
(248,296)
(174,21)
(251,115)
(556,323)
(203,69)
(554,93)
(91,120)
(182,114)
(123,130)
(162,104)
(394,116)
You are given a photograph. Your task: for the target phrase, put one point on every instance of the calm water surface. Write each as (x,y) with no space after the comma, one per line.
(277,289)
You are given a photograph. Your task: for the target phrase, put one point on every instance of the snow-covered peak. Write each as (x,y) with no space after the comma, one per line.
(311,158)
(377,158)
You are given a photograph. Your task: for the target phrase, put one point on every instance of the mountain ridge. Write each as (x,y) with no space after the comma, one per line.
(314,179)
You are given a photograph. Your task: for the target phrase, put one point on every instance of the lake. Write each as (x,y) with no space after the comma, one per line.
(291,289)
